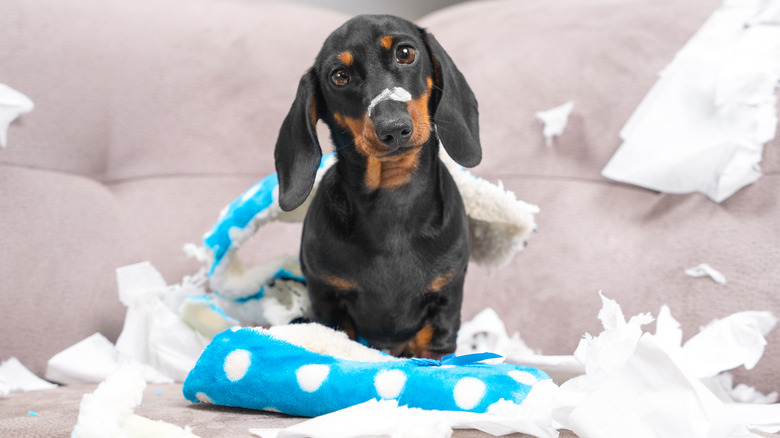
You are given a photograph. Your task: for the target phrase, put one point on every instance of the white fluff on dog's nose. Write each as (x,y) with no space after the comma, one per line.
(397,93)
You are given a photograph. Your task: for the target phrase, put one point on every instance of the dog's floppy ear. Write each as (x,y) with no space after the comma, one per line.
(456,115)
(298,151)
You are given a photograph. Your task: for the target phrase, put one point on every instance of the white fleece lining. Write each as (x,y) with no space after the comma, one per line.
(320,339)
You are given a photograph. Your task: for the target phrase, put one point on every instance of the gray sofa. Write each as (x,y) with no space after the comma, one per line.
(152,115)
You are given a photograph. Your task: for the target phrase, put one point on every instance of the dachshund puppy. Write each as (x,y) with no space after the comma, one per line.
(385,241)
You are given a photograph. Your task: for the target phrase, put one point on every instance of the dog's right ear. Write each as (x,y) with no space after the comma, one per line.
(298,151)
(456,113)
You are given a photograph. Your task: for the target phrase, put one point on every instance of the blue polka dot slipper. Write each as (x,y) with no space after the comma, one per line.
(311,370)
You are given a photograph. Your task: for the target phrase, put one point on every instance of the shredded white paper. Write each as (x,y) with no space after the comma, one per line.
(679,389)
(631,381)
(555,121)
(703,125)
(705,270)
(153,337)
(15,377)
(12,105)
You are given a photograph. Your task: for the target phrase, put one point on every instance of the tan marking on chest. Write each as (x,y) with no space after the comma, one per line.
(392,172)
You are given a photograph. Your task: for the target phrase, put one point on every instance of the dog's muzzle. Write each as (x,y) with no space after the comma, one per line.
(390,116)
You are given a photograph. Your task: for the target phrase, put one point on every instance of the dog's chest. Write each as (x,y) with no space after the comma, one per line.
(384,250)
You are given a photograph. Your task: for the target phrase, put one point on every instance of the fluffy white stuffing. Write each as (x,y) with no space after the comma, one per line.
(109,410)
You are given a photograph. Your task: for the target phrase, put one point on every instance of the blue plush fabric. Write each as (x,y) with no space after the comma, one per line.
(249,368)
(261,197)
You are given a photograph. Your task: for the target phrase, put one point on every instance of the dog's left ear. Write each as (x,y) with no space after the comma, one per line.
(455,112)
(298,151)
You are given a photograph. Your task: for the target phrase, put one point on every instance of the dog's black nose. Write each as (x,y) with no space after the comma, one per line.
(392,123)
(394,132)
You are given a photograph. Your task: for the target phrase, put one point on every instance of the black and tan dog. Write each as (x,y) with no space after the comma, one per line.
(385,241)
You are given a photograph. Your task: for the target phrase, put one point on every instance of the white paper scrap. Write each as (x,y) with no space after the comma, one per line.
(650,396)
(603,354)
(668,332)
(154,338)
(386,419)
(723,387)
(728,343)
(705,270)
(5,387)
(18,378)
(703,125)
(12,105)
(153,334)
(650,385)
(373,418)
(760,417)
(555,121)
(634,381)
(88,361)
(485,332)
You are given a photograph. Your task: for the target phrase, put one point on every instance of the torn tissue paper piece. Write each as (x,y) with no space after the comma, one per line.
(487,333)
(705,270)
(703,125)
(15,377)
(638,383)
(649,385)
(555,121)
(69,366)
(373,418)
(723,387)
(108,412)
(724,344)
(12,105)
(154,336)
(153,333)
(385,418)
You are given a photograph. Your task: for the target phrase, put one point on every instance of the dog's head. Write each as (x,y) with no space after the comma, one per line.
(385,87)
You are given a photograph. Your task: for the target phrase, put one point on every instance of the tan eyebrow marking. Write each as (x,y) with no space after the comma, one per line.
(346,58)
(387,42)
(339,283)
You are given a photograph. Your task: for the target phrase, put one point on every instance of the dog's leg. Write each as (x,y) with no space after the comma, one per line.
(439,335)
(326,309)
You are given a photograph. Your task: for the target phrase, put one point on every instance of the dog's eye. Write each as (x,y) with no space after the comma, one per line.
(405,54)
(340,77)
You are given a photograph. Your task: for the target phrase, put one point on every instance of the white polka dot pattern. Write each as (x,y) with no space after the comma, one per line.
(311,377)
(468,393)
(389,383)
(236,364)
